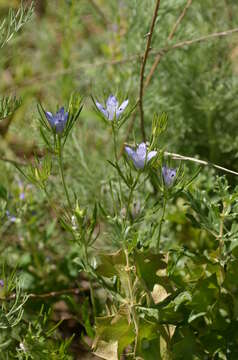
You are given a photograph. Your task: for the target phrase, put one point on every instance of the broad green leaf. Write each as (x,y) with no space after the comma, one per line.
(108,262)
(115,328)
(147,265)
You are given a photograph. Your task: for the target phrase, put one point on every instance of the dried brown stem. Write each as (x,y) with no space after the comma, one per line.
(51,294)
(181,44)
(155,64)
(170,37)
(180,18)
(13,162)
(131,58)
(142,70)
(100,12)
(198,161)
(229,11)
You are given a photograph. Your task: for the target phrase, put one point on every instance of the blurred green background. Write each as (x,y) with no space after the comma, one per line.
(86,46)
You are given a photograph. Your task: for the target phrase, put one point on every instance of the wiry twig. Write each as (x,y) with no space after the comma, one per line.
(180,18)
(144,60)
(100,12)
(170,37)
(131,58)
(13,162)
(180,45)
(198,161)
(51,294)
(156,63)
(228,9)
(184,43)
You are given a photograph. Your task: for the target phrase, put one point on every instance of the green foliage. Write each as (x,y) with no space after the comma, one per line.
(125,265)
(14,22)
(8,105)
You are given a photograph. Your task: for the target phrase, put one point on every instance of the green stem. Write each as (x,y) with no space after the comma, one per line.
(114,142)
(90,282)
(131,194)
(92,298)
(161,221)
(62,172)
(221,230)
(114,131)
(131,301)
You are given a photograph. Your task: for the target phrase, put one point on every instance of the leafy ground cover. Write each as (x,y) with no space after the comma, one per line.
(118,179)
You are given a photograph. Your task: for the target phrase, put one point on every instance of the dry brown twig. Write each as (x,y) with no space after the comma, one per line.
(155,64)
(170,37)
(162,51)
(198,161)
(179,45)
(229,12)
(142,70)
(99,11)
(13,162)
(201,39)
(74,291)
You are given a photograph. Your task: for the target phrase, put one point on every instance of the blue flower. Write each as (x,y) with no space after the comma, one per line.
(10,217)
(57,121)
(22,196)
(1,283)
(140,157)
(169,175)
(112,108)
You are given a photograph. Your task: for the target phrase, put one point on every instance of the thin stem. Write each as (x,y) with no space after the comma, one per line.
(60,156)
(51,204)
(180,18)
(13,162)
(198,161)
(204,38)
(132,303)
(161,220)
(48,295)
(129,129)
(229,11)
(114,130)
(131,194)
(92,298)
(100,12)
(131,58)
(144,60)
(221,228)
(170,37)
(114,141)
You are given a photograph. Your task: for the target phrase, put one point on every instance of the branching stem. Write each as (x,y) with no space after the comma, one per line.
(170,37)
